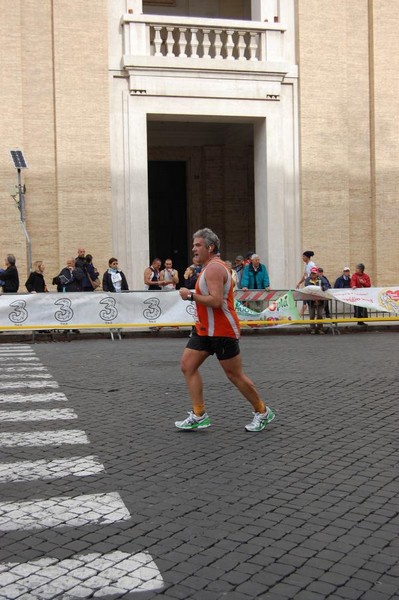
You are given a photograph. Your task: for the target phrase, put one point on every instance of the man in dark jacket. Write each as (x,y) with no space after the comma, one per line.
(10,276)
(70,278)
(344,280)
(80,260)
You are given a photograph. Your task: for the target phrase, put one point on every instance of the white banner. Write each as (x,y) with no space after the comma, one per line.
(131,309)
(145,309)
(94,310)
(384,299)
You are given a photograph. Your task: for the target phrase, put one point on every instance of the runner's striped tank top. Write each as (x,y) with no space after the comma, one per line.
(217,322)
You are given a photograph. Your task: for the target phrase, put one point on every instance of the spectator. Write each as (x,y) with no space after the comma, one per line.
(169,276)
(360,280)
(35,283)
(114,280)
(326,302)
(316,306)
(255,276)
(152,276)
(344,280)
(239,268)
(70,278)
(248,256)
(233,274)
(80,260)
(10,276)
(309,264)
(197,266)
(190,277)
(91,280)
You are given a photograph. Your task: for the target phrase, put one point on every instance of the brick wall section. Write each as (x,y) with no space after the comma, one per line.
(82,128)
(349,140)
(54,105)
(385,86)
(12,239)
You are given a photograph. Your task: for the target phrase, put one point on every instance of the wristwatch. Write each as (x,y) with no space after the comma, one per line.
(190,296)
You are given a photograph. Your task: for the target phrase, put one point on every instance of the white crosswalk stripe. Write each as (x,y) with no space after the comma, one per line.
(19,369)
(121,573)
(32,470)
(37,415)
(16,351)
(18,359)
(43,438)
(25,376)
(14,385)
(46,397)
(63,511)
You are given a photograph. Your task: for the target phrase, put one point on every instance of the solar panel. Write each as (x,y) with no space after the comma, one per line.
(18,159)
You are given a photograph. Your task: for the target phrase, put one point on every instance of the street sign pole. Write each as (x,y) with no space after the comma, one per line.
(20,163)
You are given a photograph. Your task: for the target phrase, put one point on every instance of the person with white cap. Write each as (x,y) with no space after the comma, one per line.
(344,280)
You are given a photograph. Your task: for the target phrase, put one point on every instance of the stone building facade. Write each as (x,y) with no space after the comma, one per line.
(273,122)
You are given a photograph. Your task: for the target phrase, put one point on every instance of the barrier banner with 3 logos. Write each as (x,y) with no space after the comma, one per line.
(161,308)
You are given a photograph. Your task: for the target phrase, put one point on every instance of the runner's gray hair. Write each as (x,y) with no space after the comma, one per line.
(209,237)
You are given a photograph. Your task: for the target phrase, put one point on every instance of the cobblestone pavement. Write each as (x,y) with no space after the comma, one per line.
(101,497)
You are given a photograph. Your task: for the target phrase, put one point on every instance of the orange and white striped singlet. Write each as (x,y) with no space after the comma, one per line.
(217,322)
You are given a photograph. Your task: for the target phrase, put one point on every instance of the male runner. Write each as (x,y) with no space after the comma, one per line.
(217,332)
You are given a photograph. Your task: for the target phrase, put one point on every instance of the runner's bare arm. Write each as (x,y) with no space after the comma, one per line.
(215,276)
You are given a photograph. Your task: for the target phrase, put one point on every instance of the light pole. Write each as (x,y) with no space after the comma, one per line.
(20,163)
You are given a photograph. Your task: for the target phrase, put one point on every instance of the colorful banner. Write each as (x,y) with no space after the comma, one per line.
(385,299)
(284,308)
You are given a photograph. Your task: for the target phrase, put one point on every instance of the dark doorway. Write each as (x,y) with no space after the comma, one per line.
(167,200)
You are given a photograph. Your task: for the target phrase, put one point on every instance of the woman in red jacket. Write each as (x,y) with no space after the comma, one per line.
(360,279)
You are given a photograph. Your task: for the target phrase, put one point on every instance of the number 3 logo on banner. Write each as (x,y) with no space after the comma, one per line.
(19,314)
(153,311)
(65,313)
(109,312)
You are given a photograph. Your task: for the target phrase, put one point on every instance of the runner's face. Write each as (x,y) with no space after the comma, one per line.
(200,251)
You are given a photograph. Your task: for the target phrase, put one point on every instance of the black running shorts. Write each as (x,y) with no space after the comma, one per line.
(223,347)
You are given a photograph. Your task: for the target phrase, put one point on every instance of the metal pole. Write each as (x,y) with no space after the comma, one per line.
(21,206)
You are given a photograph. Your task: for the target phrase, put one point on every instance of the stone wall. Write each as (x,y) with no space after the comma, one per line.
(349,135)
(54,106)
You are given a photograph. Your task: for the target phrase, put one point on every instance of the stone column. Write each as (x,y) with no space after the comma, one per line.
(136,207)
(270,231)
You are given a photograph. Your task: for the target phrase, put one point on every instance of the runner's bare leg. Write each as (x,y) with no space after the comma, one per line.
(191,361)
(234,371)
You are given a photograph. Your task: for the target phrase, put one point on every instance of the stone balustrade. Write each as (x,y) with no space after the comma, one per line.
(202,39)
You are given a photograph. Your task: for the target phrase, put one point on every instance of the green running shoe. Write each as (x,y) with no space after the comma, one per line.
(194,422)
(260,420)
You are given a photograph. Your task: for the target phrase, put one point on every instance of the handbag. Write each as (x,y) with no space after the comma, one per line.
(95,283)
